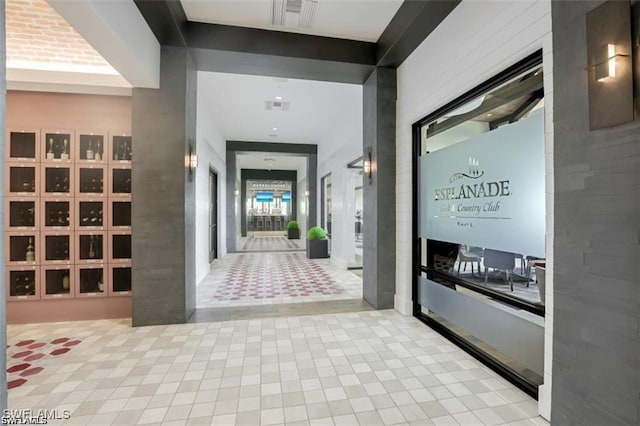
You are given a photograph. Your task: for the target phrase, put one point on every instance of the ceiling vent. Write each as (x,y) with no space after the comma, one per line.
(293,13)
(276,105)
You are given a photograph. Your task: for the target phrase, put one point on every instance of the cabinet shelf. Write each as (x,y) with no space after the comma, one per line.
(90,147)
(120,279)
(22,248)
(121,148)
(57,248)
(57,214)
(22,214)
(23,179)
(90,180)
(119,247)
(120,214)
(58,281)
(92,280)
(22,283)
(91,247)
(23,145)
(67,215)
(120,180)
(56,146)
(57,180)
(91,214)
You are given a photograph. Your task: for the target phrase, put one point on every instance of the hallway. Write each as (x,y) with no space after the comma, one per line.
(261,277)
(366,368)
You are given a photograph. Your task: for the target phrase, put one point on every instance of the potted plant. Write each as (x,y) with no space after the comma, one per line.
(293,230)
(317,243)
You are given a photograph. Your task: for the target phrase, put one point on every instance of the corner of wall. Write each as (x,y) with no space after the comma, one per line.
(403,305)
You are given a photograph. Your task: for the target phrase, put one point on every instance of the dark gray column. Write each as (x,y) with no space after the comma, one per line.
(379,213)
(3,300)
(163,194)
(596,273)
(231,204)
(312,182)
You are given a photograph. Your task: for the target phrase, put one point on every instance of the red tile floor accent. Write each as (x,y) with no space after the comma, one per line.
(31,371)
(34,357)
(18,367)
(60,351)
(15,383)
(275,274)
(17,372)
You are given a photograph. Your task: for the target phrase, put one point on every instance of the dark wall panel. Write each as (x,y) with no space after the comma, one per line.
(163,216)
(596,337)
(379,131)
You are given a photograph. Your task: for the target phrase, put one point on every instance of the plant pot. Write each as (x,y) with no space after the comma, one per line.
(293,233)
(317,249)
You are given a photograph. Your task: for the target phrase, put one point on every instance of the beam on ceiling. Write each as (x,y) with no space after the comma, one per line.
(412,23)
(532,84)
(166,18)
(225,48)
(118,32)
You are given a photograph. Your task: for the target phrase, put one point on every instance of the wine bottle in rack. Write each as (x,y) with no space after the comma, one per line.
(90,153)
(98,155)
(116,153)
(30,255)
(65,154)
(92,251)
(50,154)
(66,282)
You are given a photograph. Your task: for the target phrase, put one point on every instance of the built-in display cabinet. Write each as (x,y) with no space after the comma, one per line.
(68,221)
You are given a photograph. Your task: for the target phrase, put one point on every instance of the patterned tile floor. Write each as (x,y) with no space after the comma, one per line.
(366,368)
(270,242)
(24,358)
(241,279)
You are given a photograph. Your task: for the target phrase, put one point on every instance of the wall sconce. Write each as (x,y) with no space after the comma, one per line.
(191,161)
(306,193)
(606,69)
(237,192)
(609,64)
(367,166)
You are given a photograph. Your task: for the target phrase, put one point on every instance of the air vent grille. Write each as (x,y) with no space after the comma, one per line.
(294,6)
(293,13)
(276,105)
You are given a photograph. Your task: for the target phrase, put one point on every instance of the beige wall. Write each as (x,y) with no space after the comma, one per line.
(37,110)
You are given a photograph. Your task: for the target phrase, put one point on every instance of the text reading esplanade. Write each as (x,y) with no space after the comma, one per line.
(473,191)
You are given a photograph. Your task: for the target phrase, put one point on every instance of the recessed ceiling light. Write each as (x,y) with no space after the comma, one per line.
(489,115)
(275,129)
(278,98)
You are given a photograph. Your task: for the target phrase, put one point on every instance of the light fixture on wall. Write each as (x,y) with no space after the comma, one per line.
(606,69)
(192,161)
(368,166)
(610,70)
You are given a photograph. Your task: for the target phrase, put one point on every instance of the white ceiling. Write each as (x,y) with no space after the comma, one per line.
(315,108)
(352,19)
(256,160)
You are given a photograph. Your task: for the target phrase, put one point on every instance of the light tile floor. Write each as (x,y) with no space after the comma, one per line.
(242,279)
(366,368)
